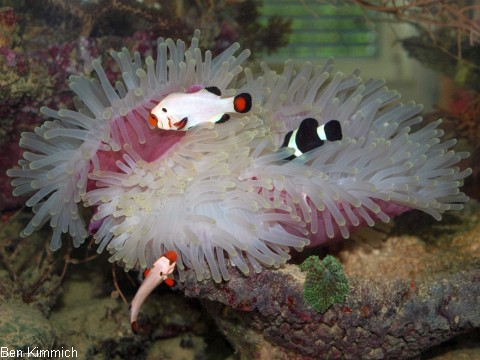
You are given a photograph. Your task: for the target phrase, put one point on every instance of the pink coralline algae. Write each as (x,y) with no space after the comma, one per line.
(29,80)
(9,55)
(34,74)
(223,194)
(7,26)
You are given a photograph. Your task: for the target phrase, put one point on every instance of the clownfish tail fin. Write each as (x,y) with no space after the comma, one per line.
(333,130)
(242,103)
(134,327)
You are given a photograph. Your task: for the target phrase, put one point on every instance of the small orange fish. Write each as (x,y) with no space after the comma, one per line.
(181,111)
(163,267)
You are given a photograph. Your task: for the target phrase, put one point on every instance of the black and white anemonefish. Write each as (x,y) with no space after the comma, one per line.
(163,267)
(309,136)
(182,111)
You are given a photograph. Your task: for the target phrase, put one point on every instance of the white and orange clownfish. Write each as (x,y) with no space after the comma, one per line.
(181,111)
(309,136)
(163,267)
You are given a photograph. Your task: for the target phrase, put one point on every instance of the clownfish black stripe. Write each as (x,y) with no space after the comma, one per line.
(309,136)
(242,103)
(306,138)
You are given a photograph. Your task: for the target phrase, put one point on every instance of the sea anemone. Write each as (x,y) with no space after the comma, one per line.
(222,194)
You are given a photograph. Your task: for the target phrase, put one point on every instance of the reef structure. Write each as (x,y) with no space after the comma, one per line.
(224,194)
(379,320)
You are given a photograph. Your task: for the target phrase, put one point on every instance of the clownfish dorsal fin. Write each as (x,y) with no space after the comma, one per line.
(214,90)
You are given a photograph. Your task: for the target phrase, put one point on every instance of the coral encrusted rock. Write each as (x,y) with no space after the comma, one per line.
(407,294)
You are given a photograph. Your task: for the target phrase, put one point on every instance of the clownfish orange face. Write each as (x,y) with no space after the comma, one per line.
(172,258)
(180,111)
(153,120)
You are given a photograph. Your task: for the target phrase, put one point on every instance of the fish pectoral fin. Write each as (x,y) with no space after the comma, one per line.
(214,90)
(290,158)
(225,117)
(181,124)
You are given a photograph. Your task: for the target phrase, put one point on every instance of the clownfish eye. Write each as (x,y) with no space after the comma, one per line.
(164,110)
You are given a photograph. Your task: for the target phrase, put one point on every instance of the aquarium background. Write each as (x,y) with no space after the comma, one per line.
(76,298)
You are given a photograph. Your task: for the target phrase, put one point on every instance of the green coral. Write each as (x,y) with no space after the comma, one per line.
(325,284)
